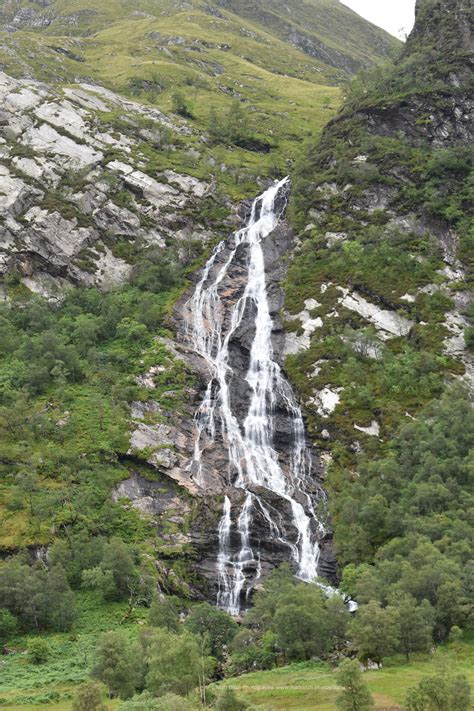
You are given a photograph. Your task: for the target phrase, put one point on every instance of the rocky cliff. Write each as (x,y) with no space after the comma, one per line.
(79,193)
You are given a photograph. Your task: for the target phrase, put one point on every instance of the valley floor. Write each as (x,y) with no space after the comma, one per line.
(308,686)
(305,686)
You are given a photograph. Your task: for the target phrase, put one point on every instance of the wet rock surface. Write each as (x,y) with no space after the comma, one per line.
(217,476)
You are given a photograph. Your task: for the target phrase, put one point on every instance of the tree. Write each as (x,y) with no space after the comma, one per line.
(164,613)
(28,486)
(61,601)
(355,695)
(232,127)
(77,553)
(8,624)
(89,698)
(115,576)
(416,623)
(250,651)
(455,640)
(443,692)
(337,620)
(119,665)
(216,626)
(38,651)
(176,664)
(375,631)
(40,598)
(301,623)
(280,582)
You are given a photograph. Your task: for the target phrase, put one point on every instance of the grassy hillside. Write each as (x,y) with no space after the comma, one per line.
(308,686)
(304,686)
(343,39)
(324,29)
(212,54)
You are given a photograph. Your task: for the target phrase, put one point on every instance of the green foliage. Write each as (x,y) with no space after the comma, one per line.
(150,87)
(215,627)
(66,383)
(38,651)
(181,105)
(375,632)
(157,270)
(442,692)
(115,575)
(77,553)
(119,665)
(89,697)
(415,624)
(164,612)
(289,621)
(176,663)
(229,701)
(8,624)
(420,530)
(38,597)
(233,128)
(355,696)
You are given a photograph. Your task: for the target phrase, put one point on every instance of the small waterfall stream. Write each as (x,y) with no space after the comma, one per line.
(254,464)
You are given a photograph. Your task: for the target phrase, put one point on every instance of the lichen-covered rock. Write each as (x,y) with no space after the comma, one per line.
(59,210)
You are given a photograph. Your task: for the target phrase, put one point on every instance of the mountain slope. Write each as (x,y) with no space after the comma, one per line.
(210,55)
(110,207)
(325,29)
(384,205)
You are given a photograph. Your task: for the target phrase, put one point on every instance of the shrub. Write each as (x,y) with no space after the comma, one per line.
(38,651)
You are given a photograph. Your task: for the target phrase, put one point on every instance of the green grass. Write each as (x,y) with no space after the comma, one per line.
(26,686)
(288,95)
(304,686)
(309,686)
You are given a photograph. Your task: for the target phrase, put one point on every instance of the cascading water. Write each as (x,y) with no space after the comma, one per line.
(254,463)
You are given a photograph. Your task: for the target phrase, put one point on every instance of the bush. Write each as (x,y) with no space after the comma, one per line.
(176,664)
(119,665)
(229,701)
(38,651)
(164,612)
(443,692)
(39,597)
(215,626)
(181,105)
(89,697)
(355,696)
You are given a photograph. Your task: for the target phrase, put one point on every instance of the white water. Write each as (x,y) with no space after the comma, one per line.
(253,461)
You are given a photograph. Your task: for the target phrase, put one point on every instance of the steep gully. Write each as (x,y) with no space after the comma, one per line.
(261,483)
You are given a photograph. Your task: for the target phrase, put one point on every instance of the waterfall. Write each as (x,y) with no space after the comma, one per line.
(253,461)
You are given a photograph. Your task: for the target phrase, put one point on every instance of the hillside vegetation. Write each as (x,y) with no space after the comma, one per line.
(128,138)
(210,54)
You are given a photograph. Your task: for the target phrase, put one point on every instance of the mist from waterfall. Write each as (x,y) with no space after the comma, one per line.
(253,461)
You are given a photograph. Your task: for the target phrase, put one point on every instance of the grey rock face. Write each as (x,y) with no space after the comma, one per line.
(59,216)
(150,497)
